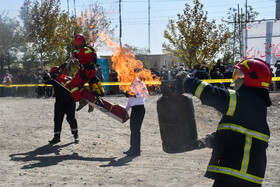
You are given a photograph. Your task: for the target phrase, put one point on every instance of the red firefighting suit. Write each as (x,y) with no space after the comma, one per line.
(87,59)
(239,150)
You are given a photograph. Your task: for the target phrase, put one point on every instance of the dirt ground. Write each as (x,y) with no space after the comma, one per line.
(28,160)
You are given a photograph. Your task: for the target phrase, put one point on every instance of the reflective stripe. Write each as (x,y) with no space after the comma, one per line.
(246,64)
(265,84)
(235,173)
(67,82)
(111,108)
(88,50)
(238,128)
(74,129)
(74,89)
(57,132)
(242,174)
(199,89)
(246,154)
(232,103)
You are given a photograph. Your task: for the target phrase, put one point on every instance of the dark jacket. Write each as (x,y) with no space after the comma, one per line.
(239,151)
(62,95)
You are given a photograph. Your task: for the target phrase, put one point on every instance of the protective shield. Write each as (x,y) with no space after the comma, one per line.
(176,120)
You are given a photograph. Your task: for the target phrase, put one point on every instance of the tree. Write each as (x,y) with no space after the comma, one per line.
(28,60)
(192,38)
(237,19)
(9,36)
(50,31)
(93,21)
(40,23)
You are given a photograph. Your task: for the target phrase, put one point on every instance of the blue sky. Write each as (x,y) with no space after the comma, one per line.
(135,15)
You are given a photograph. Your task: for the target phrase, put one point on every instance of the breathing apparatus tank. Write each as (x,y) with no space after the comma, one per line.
(176,120)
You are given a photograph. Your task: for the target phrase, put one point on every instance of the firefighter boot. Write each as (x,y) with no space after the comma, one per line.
(133,152)
(82,103)
(76,138)
(90,108)
(128,151)
(55,139)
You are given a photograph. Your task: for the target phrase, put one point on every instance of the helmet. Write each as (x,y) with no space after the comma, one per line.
(79,38)
(255,72)
(54,69)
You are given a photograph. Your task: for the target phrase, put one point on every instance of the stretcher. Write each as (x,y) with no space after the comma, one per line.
(115,111)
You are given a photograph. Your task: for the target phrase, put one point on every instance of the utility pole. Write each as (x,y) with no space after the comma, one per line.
(149,26)
(120,18)
(240,29)
(233,51)
(277,16)
(75,7)
(246,12)
(68,46)
(68,6)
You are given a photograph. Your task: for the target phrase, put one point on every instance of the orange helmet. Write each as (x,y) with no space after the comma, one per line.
(79,38)
(255,72)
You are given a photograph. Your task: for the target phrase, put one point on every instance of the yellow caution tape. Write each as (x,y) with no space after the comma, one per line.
(126,83)
(275,78)
(26,85)
(216,80)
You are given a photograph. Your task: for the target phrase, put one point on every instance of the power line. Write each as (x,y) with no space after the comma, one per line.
(149,26)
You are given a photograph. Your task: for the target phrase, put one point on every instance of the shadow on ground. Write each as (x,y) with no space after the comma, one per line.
(43,156)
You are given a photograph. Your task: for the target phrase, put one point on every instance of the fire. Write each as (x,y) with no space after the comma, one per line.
(128,67)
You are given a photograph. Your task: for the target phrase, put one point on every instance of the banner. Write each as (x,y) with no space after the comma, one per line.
(262,40)
(103,63)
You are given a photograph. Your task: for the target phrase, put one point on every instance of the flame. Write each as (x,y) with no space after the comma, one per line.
(127,66)
(91,19)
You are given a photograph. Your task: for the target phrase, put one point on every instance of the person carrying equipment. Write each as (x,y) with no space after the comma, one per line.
(64,102)
(241,139)
(87,58)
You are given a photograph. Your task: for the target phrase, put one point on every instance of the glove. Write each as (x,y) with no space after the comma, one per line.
(70,60)
(54,76)
(180,78)
(73,58)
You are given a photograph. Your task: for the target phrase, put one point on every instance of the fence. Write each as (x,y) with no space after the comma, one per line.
(32,89)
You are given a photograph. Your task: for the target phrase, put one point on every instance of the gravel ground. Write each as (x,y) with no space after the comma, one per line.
(28,160)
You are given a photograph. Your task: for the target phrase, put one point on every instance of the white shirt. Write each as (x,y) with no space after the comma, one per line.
(139,89)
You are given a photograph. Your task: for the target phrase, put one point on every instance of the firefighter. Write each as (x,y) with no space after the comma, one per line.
(87,57)
(241,138)
(64,102)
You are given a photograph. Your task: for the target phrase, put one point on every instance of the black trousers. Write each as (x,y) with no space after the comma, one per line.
(60,109)
(136,119)
(220,183)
